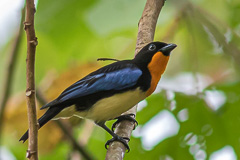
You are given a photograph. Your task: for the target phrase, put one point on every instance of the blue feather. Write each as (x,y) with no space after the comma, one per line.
(115,80)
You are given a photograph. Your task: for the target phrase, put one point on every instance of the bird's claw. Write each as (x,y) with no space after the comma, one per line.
(123,140)
(125,117)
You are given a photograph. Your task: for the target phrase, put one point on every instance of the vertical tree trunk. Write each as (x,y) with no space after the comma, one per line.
(32,152)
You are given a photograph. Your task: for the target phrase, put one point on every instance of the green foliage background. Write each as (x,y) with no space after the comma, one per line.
(73,32)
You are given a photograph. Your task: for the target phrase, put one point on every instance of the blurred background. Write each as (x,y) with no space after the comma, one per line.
(193,114)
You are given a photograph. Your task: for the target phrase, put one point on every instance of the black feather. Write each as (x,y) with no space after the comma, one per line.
(51,112)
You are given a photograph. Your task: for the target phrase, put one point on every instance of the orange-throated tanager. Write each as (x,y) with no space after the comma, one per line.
(111,90)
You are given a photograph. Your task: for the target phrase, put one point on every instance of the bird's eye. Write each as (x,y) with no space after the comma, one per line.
(151,47)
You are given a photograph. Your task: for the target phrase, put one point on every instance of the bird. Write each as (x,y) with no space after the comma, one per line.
(108,92)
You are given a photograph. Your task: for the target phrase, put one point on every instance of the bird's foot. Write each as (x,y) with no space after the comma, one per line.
(125,117)
(123,140)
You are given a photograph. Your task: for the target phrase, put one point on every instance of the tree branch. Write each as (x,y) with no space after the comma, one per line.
(146,30)
(147,23)
(32,152)
(8,77)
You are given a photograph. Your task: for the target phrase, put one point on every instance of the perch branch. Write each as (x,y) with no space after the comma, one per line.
(32,152)
(146,30)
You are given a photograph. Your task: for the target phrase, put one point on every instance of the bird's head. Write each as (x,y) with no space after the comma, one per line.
(148,51)
(154,53)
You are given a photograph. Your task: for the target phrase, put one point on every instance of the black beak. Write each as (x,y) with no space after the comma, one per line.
(167,49)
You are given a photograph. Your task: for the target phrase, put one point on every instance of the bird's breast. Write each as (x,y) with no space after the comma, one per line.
(156,68)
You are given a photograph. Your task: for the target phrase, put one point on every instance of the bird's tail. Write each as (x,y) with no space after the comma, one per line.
(51,112)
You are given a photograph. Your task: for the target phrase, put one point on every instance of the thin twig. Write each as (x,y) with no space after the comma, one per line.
(32,152)
(73,141)
(146,30)
(8,77)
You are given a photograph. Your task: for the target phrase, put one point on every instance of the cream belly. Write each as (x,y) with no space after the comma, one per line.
(114,106)
(107,108)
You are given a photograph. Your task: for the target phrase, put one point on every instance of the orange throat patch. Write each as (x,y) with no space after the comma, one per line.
(156,68)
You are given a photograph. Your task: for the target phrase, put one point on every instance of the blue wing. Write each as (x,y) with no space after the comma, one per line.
(112,79)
